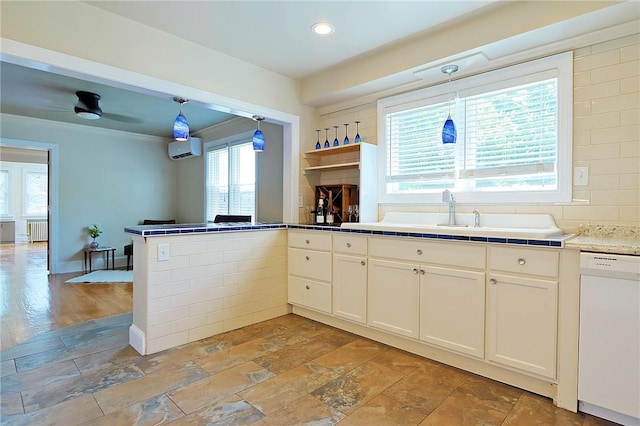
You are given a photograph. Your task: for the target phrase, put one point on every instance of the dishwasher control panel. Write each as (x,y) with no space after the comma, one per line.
(610,262)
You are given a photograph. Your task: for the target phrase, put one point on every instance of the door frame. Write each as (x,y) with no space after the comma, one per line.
(53,190)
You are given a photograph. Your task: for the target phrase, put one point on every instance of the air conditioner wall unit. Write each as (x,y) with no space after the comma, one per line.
(186,149)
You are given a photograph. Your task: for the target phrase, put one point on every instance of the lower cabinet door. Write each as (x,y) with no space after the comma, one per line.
(350,287)
(522,323)
(393,297)
(452,309)
(310,294)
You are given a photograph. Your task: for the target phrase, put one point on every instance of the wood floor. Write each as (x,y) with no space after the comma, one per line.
(33,302)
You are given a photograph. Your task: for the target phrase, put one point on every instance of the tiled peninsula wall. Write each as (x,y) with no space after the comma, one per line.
(606,139)
(211,283)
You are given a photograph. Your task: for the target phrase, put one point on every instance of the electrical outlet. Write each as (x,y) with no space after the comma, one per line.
(301,201)
(163,252)
(581,176)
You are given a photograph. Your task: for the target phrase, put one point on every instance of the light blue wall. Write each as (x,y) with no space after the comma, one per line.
(114,178)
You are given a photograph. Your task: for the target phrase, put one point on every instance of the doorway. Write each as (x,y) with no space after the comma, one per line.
(30,206)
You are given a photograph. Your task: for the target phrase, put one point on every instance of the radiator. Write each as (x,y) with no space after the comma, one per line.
(38,230)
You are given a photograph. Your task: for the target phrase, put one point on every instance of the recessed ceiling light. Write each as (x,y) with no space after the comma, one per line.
(322,28)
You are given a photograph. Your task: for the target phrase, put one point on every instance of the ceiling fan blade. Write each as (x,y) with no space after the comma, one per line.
(122,118)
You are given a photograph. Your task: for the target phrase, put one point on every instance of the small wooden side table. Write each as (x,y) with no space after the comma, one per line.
(103,250)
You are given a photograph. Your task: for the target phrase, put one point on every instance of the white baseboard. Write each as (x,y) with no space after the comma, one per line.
(137,339)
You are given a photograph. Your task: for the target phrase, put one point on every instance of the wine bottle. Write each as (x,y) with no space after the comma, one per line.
(320,212)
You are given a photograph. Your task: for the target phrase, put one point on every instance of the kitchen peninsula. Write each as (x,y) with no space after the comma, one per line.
(196,280)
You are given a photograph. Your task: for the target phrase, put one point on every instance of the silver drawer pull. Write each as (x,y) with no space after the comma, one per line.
(415,270)
(306,257)
(422,272)
(307,241)
(521,261)
(362,262)
(419,252)
(307,287)
(493,281)
(348,245)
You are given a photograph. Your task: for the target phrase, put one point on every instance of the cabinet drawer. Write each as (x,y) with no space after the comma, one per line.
(310,240)
(312,264)
(350,244)
(311,294)
(443,253)
(413,251)
(525,261)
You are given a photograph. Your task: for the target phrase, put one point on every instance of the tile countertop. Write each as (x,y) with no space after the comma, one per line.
(607,239)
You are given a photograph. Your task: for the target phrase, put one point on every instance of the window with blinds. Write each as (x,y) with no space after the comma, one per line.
(231,180)
(514,137)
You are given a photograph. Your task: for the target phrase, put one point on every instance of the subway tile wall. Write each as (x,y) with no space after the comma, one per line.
(606,139)
(214,283)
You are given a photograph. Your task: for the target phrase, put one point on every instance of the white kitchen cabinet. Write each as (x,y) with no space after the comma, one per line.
(522,323)
(522,309)
(394,297)
(350,277)
(452,307)
(350,287)
(310,270)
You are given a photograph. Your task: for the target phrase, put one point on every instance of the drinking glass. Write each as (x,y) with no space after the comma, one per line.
(318,146)
(357,138)
(336,142)
(346,134)
(356,212)
(349,212)
(326,137)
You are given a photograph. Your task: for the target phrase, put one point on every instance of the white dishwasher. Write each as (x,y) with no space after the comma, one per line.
(609,351)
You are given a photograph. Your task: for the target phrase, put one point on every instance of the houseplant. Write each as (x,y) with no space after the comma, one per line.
(94,232)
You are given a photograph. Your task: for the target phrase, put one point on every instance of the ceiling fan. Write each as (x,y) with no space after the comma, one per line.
(88,107)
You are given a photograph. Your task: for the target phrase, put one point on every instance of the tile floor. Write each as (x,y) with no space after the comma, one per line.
(286,371)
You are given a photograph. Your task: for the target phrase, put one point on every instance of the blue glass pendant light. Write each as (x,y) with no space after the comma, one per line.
(258,136)
(449,133)
(180,125)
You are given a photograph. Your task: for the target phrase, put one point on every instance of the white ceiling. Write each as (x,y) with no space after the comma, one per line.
(274,35)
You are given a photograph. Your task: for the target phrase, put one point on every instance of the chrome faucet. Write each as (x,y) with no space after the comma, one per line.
(448,197)
(476,219)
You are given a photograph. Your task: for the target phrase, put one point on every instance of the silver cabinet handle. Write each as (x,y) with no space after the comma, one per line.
(521,261)
(306,257)
(307,287)
(307,241)
(348,245)
(415,270)
(419,252)
(362,262)
(422,272)
(493,281)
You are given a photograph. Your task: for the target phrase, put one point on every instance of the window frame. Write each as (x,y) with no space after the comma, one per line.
(7,193)
(227,142)
(560,66)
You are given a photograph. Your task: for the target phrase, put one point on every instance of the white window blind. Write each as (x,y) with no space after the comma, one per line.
(511,135)
(510,129)
(230,180)
(417,159)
